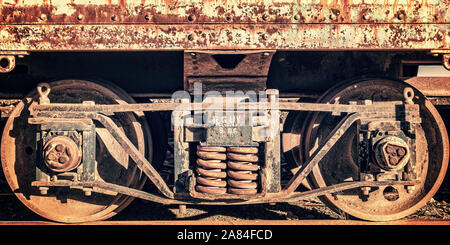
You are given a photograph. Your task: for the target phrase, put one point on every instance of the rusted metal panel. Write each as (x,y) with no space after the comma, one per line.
(240,11)
(195,36)
(431,86)
(242,24)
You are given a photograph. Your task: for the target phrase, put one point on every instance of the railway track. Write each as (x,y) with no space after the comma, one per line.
(324,222)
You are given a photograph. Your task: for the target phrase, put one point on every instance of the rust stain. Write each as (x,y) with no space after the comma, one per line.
(342,11)
(394,6)
(122,3)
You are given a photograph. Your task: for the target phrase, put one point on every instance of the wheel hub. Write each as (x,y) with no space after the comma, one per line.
(61,154)
(391,153)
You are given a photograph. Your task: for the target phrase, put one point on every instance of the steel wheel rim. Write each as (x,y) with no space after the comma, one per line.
(432,173)
(77,208)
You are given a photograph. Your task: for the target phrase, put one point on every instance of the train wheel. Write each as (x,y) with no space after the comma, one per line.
(383,203)
(18,153)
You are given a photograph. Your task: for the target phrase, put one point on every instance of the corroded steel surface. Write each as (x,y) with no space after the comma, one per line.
(243,24)
(213,11)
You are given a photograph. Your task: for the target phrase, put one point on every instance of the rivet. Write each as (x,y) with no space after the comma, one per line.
(43,17)
(401,15)
(80,17)
(296,17)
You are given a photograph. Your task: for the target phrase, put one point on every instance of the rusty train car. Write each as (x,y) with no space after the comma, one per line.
(261,102)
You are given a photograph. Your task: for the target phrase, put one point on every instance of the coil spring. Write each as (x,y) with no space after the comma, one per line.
(210,169)
(242,165)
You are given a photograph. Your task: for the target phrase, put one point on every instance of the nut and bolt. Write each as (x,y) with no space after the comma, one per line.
(365,190)
(410,188)
(43,190)
(394,154)
(391,153)
(87,192)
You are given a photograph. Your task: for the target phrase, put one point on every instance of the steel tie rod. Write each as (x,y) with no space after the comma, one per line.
(140,160)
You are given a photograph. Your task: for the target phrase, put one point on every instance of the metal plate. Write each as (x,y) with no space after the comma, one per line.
(239,11)
(196,36)
(229,136)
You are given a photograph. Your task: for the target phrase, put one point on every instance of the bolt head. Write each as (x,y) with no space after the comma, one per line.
(59,148)
(410,188)
(63,159)
(365,190)
(391,153)
(43,190)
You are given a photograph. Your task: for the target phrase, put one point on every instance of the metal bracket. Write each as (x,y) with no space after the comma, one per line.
(226,70)
(445,57)
(80,131)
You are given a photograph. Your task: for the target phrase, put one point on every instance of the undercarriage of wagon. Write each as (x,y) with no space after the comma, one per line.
(375,148)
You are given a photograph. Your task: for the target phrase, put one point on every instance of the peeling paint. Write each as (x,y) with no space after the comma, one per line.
(212,24)
(240,11)
(175,37)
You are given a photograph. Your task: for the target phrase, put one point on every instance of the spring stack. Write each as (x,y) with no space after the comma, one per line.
(232,170)
(210,168)
(242,170)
